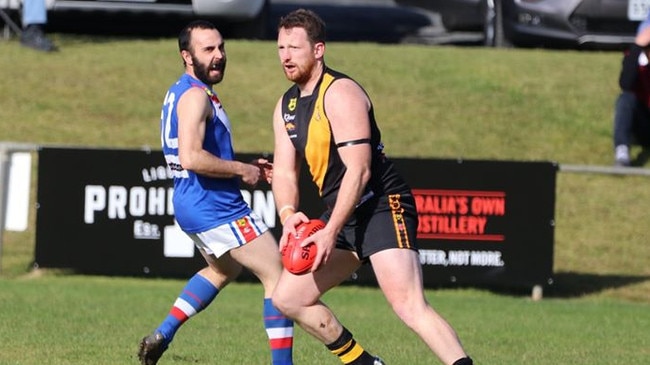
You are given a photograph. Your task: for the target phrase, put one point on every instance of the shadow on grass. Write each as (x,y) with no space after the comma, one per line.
(642,158)
(567,285)
(571,284)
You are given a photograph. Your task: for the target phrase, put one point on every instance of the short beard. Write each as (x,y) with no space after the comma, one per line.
(202,71)
(303,75)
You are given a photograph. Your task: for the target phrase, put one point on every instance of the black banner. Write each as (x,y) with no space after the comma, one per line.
(109,212)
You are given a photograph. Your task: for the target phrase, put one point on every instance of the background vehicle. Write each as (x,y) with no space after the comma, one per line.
(554,23)
(242,18)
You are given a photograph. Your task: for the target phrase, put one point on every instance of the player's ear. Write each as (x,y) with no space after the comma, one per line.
(319,49)
(187,57)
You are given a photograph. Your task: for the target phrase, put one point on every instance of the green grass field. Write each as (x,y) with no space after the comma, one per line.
(430,101)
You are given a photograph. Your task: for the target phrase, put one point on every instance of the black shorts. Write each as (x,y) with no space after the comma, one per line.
(380,223)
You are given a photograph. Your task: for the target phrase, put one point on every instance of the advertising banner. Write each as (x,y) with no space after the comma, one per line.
(109,212)
(484,222)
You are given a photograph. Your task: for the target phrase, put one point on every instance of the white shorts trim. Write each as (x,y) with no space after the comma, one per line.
(225,237)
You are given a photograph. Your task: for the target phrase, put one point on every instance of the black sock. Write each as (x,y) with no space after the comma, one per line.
(349,351)
(464,361)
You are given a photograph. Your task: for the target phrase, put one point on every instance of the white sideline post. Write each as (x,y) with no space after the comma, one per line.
(19,188)
(6,149)
(4,183)
(537,293)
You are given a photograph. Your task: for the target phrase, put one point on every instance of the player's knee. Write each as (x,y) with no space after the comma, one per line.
(281,303)
(222,276)
(408,311)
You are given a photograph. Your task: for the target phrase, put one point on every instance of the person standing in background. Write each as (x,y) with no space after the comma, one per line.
(632,108)
(34,20)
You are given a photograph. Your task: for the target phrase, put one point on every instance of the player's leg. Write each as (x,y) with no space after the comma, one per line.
(390,242)
(298,296)
(197,294)
(625,113)
(399,275)
(641,126)
(262,258)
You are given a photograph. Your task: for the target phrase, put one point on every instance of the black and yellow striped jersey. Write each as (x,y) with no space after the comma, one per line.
(308,128)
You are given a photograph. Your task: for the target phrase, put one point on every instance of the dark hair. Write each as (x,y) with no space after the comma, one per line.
(185,36)
(308,20)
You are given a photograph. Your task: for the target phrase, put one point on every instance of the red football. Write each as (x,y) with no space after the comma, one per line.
(298,260)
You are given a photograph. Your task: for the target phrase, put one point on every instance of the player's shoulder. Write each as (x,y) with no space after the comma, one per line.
(340,80)
(336,74)
(344,91)
(193,96)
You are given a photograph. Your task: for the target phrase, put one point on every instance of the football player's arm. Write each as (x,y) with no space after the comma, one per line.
(193,109)
(347,106)
(286,172)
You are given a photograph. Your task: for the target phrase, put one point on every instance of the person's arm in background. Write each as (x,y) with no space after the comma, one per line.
(630,68)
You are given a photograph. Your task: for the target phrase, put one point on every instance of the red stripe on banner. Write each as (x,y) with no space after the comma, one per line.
(472,237)
(281,343)
(450,192)
(178,314)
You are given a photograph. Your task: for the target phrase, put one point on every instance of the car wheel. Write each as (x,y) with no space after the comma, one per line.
(493,33)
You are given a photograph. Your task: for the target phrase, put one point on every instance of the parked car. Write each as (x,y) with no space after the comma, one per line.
(245,18)
(553,23)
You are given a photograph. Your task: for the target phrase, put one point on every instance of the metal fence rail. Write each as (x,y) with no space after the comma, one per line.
(605,170)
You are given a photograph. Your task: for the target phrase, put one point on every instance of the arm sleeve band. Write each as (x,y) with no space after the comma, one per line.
(353,142)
